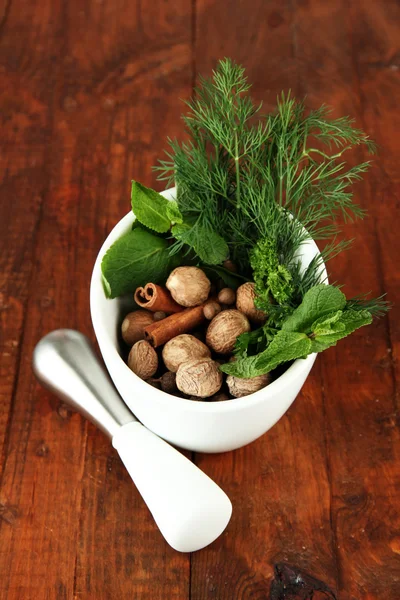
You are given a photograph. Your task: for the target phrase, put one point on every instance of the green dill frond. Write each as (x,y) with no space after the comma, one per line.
(249,177)
(378,307)
(255,188)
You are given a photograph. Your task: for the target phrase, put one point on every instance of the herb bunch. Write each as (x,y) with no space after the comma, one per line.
(236,177)
(254,188)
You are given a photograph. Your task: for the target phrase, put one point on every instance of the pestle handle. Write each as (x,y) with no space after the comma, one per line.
(188,507)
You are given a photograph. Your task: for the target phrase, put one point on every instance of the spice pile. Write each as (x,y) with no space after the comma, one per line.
(248,194)
(190,364)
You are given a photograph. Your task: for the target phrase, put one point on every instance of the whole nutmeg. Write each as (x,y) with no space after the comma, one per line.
(211,309)
(143,359)
(201,378)
(189,286)
(224,329)
(243,387)
(245,296)
(181,349)
(133,325)
(168,382)
(227,296)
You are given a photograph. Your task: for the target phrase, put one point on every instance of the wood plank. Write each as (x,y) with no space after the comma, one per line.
(73,525)
(144,565)
(25,123)
(378,79)
(359,388)
(279,485)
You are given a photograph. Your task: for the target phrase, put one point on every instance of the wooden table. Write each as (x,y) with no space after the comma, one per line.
(89,93)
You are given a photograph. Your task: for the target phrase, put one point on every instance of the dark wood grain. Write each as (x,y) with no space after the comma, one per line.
(313,490)
(89,93)
(281,496)
(89,97)
(358,375)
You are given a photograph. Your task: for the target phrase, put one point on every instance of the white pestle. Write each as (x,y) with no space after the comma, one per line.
(189,508)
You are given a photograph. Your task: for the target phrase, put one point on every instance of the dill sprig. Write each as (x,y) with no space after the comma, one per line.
(378,307)
(244,178)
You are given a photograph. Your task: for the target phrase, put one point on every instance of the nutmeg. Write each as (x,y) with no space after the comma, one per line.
(133,325)
(181,349)
(211,309)
(201,378)
(227,296)
(243,387)
(168,382)
(245,296)
(224,329)
(189,286)
(143,359)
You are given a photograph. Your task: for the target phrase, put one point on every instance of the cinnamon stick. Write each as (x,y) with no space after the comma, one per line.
(160,332)
(154,297)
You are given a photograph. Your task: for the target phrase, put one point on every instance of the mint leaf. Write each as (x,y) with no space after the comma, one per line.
(327,324)
(173,212)
(286,346)
(255,340)
(138,225)
(328,335)
(242,367)
(150,208)
(135,259)
(320,301)
(210,247)
(319,322)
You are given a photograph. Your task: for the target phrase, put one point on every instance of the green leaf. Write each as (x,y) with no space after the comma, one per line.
(253,340)
(210,247)
(328,335)
(173,212)
(320,301)
(182,230)
(150,208)
(322,320)
(326,324)
(135,259)
(286,346)
(138,225)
